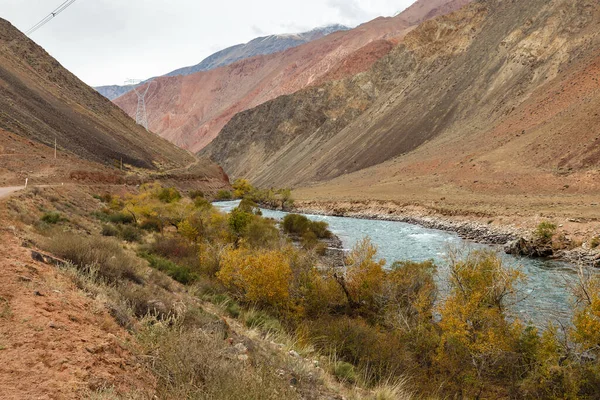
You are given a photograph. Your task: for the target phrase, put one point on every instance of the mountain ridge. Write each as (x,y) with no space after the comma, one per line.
(422,114)
(191,110)
(263,45)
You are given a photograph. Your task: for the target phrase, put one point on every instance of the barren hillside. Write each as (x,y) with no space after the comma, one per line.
(190,111)
(499,98)
(41,102)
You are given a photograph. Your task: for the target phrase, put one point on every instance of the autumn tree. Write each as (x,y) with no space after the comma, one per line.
(478,342)
(241,187)
(363,277)
(260,277)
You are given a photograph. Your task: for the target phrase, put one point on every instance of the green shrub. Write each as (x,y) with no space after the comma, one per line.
(178,272)
(595,242)
(121,218)
(233,309)
(196,194)
(344,372)
(109,230)
(202,204)
(299,225)
(259,319)
(223,195)
(169,195)
(52,218)
(545,231)
(130,234)
(295,224)
(262,233)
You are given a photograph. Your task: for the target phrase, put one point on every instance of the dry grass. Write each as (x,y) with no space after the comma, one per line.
(191,364)
(105,255)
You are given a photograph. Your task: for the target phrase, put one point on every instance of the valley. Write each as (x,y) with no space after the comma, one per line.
(383,208)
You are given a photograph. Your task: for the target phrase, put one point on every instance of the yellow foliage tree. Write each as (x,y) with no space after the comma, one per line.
(363,279)
(261,277)
(477,340)
(241,187)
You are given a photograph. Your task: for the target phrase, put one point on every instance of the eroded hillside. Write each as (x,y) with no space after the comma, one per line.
(190,111)
(501,97)
(41,100)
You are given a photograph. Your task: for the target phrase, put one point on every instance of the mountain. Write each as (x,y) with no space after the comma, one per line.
(191,110)
(40,101)
(260,46)
(499,98)
(111,92)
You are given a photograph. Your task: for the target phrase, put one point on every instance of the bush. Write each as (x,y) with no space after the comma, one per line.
(545,231)
(151,225)
(262,233)
(202,204)
(377,354)
(172,248)
(295,224)
(121,218)
(169,195)
(103,256)
(52,218)
(130,234)
(595,242)
(241,188)
(196,194)
(260,277)
(344,372)
(109,230)
(223,195)
(179,273)
(257,319)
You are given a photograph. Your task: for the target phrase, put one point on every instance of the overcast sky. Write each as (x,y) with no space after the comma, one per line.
(107,41)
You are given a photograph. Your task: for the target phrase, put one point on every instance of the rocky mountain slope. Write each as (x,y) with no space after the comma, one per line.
(43,102)
(260,46)
(191,110)
(499,98)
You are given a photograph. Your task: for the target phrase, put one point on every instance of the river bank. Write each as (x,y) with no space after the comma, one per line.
(474,228)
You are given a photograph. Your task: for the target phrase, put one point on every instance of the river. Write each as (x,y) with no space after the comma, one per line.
(543,298)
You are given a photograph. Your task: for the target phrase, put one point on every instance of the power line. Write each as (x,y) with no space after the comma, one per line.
(50,16)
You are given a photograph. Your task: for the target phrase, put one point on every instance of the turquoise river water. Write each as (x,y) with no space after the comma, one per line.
(543,298)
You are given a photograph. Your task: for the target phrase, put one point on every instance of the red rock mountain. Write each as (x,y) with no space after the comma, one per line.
(190,111)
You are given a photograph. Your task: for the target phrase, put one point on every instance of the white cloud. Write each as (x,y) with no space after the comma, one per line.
(107,41)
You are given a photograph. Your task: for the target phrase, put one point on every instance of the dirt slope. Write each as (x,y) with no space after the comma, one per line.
(56,343)
(190,111)
(41,100)
(498,99)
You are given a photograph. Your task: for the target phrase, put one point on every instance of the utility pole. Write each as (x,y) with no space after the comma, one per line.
(141,117)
